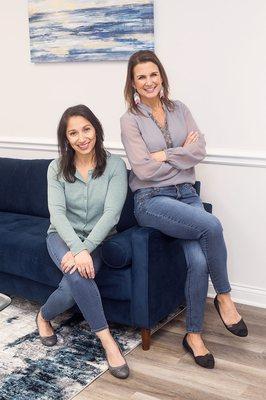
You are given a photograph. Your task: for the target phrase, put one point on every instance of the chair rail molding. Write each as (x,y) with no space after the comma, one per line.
(221,156)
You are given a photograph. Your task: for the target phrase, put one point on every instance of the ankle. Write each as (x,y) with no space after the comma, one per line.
(107,340)
(224,298)
(41,319)
(194,337)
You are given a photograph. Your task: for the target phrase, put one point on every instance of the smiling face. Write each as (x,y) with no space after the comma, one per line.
(81,135)
(147,80)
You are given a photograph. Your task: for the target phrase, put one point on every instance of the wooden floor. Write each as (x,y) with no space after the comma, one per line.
(166,371)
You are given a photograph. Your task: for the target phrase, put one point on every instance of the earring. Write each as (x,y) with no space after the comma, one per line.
(161,92)
(136,98)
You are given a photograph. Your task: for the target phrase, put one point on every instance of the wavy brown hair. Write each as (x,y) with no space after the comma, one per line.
(139,57)
(67,154)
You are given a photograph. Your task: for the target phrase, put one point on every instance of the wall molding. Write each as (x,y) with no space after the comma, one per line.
(243,294)
(220,156)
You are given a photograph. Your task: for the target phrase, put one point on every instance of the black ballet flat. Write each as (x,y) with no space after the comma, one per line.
(206,361)
(238,329)
(48,341)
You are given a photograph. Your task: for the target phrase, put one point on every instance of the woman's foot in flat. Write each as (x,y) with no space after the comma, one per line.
(231,319)
(116,362)
(46,332)
(194,344)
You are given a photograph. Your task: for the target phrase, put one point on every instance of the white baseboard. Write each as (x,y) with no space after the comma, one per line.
(250,295)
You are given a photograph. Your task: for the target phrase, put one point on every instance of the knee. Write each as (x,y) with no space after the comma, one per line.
(77,280)
(74,278)
(214,225)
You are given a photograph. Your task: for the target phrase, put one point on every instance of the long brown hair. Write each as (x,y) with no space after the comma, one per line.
(144,56)
(66,162)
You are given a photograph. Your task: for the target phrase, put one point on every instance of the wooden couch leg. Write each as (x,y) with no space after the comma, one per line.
(146,338)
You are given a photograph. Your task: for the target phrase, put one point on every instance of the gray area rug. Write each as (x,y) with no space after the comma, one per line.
(30,371)
(4,301)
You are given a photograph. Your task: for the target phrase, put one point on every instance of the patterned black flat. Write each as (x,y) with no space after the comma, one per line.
(238,329)
(206,361)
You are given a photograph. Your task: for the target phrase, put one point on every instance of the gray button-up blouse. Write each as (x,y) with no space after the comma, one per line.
(141,136)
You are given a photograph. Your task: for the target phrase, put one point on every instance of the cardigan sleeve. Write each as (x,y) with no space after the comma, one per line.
(190,155)
(114,201)
(142,164)
(57,209)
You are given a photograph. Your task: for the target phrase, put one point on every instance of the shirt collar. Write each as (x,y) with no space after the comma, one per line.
(79,177)
(148,109)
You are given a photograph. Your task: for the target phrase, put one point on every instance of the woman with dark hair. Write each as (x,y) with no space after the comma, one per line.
(86,192)
(163,145)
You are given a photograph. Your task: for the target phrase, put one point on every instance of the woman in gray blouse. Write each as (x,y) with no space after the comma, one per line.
(86,191)
(163,145)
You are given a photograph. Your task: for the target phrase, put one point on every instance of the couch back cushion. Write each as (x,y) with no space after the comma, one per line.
(23,190)
(23,186)
(127,218)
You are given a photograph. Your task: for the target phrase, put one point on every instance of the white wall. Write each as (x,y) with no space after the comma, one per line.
(214,53)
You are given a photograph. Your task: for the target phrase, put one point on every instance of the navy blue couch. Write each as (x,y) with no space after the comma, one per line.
(144,271)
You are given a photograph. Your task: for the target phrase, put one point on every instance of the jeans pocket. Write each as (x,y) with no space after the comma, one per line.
(141,197)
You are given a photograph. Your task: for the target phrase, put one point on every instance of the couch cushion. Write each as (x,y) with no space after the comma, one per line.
(23,186)
(23,248)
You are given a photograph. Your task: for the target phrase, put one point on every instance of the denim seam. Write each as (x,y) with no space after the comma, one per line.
(97,294)
(188,292)
(171,219)
(208,262)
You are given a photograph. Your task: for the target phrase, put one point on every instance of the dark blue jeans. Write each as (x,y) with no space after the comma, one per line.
(73,288)
(178,211)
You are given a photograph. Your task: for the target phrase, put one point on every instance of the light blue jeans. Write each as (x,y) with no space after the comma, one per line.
(74,289)
(178,211)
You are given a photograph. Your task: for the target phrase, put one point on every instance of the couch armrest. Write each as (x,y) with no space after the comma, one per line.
(158,276)
(116,251)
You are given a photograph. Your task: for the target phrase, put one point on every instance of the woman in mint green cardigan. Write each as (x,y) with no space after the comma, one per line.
(86,191)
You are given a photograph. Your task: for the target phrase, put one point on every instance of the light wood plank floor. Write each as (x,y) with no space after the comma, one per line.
(167,372)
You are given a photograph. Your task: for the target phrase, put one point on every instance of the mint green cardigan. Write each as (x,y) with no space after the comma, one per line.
(85,213)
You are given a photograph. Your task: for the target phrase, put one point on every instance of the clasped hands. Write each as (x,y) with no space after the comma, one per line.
(81,262)
(160,156)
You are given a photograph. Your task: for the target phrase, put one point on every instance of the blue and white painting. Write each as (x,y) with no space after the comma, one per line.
(89,30)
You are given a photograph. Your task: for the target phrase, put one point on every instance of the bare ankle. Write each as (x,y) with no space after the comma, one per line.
(224,296)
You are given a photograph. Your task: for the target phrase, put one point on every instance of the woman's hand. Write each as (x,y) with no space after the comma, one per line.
(192,137)
(84,264)
(68,261)
(159,156)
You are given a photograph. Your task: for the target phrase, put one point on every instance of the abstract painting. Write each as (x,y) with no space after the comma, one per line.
(89,30)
